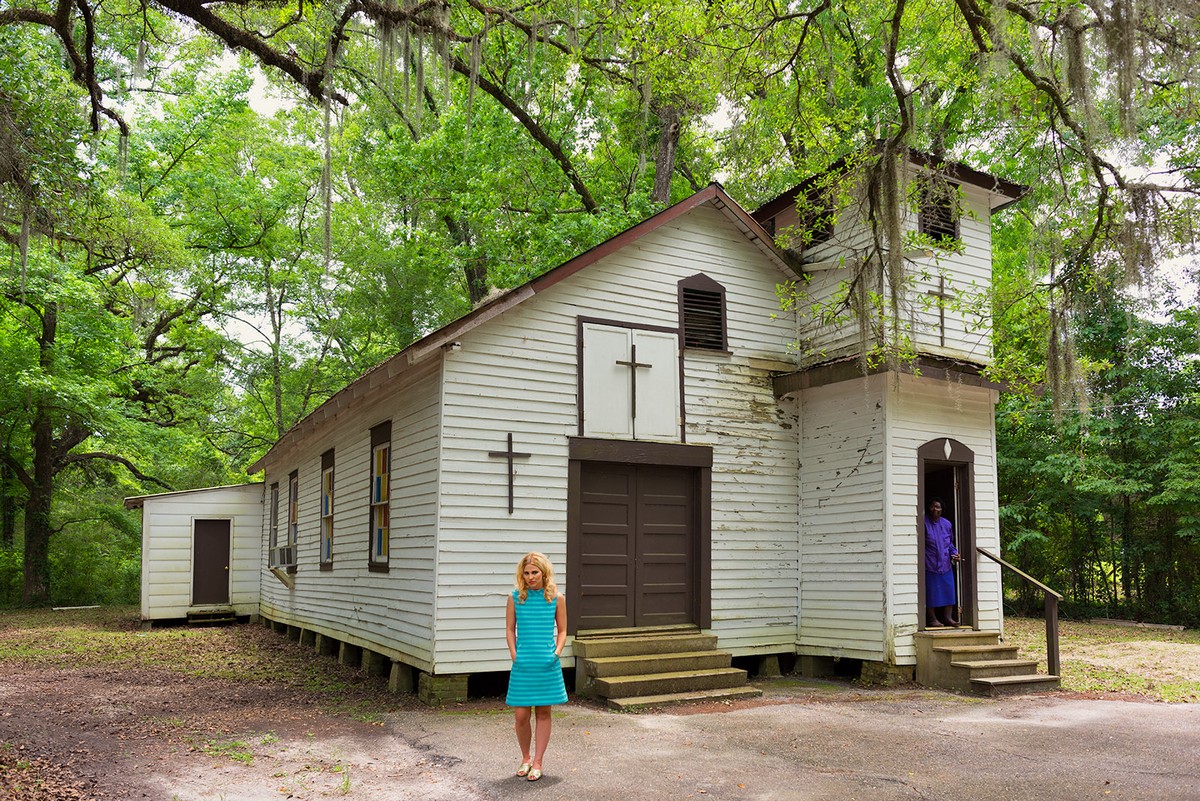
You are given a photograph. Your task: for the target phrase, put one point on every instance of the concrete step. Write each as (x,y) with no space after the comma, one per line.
(995,668)
(1014,685)
(640,631)
(656,663)
(673,699)
(634,645)
(671,682)
(959,636)
(971,653)
(215,617)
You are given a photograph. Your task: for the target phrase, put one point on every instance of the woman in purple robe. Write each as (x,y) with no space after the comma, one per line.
(940,558)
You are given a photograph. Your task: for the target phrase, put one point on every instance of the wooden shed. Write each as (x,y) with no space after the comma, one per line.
(202,553)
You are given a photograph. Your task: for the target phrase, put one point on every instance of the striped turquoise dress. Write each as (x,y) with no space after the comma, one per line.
(536,678)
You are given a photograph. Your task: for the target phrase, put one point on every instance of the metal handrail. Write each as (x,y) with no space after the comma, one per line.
(1051,606)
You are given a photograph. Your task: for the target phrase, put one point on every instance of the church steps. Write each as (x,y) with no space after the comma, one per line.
(993,668)
(1014,685)
(641,664)
(642,642)
(674,699)
(976,662)
(655,667)
(672,682)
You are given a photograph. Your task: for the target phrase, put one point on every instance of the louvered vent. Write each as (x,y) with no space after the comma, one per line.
(703,319)
(939,211)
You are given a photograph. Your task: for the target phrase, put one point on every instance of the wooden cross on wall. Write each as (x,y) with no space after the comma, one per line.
(942,296)
(510,454)
(633,364)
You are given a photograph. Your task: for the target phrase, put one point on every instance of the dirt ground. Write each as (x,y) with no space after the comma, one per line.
(85,719)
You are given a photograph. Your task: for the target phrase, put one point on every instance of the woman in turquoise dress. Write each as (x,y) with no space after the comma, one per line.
(536,623)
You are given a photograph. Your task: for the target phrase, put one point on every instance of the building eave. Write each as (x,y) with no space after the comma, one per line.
(851,368)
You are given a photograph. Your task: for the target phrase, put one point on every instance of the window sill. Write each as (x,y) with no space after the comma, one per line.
(378,567)
(327,566)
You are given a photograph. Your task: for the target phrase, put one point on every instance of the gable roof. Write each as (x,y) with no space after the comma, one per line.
(138,501)
(1005,192)
(713,194)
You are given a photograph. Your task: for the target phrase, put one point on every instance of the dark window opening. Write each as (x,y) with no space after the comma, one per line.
(939,211)
(702,313)
(817,217)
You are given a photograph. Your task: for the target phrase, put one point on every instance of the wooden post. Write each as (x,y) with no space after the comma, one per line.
(1052,663)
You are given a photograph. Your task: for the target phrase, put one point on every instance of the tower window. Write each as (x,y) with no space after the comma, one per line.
(939,211)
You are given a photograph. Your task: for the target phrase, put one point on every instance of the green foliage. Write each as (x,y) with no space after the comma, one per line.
(1101,503)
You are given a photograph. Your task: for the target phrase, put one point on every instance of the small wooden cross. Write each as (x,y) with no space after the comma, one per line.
(510,454)
(633,364)
(942,295)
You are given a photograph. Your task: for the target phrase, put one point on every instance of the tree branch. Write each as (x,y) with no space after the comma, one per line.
(74,458)
(535,130)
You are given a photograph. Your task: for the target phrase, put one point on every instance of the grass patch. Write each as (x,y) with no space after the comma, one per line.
(1159,664)
(236,750)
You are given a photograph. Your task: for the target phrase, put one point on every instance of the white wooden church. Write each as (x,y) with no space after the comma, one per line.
(690,455)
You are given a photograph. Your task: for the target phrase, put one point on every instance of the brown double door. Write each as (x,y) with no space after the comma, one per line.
(637,545)
(210,562)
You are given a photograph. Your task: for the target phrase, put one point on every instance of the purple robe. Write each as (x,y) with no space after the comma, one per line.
(939,547)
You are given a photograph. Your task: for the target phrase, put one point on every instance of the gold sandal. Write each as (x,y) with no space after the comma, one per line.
(534,775)
(524,769)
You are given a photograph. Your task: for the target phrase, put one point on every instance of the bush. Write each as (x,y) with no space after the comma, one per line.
(12,576)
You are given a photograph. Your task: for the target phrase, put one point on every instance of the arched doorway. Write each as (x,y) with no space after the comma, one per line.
(946,469)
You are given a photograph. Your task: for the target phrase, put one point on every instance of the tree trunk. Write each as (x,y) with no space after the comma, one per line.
(670,128)
(476,274)
(41,487)
(8,508)
(37,535)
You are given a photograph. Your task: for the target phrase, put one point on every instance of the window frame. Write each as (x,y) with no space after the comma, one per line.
(273,527)
(326,511)
(293,522)
(379,499)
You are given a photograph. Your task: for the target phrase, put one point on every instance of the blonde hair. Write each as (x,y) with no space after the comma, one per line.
(539,561)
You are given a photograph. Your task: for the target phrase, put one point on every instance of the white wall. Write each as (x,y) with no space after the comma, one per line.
(843,469)
(517,373)
(167,547)
(391,612)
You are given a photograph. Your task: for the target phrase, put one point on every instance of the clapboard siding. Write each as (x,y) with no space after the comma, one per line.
(518,373)
(389,612)
(920,410)
(732,408)
(842,545)
(167,528)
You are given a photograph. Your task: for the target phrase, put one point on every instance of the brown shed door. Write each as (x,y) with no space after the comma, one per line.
(638,545)
(210,562)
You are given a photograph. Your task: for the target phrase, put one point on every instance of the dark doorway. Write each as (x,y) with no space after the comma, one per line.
(637,557)
(947,471)
(210,562)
